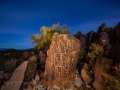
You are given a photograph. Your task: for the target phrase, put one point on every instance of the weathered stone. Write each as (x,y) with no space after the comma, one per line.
(102,27)
(16,79)
(111,35)
(33,83)
(26,55)
(62,60)
(102,66)
(115,53)
(91,36)
(30,72)
(78,81)
(86,66)
(42,59)
(37,78)
(103,38)
(56,87)
(82,39)
(86,76)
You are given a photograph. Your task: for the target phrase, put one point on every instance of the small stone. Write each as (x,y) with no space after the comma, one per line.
(33,83)
(87,79)
(86,66)
(56,87)
(88,86)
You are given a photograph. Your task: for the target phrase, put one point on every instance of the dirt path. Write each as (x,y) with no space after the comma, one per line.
(16,79)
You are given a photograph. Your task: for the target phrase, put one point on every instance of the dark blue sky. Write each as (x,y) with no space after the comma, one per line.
(21,18)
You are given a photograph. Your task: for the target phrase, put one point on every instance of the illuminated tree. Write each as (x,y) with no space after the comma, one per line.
(43,40)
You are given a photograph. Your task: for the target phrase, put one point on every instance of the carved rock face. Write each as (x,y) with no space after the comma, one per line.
(62,59)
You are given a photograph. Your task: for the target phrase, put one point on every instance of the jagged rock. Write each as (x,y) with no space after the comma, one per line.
(86,66)
(82,39)
(103,38)
(30,72)
(111,35)
(86,75)
(33,83)
(42,59)
(102,28)
(62,60)
(91,37)
(102,66)
(37,77)
(26,55)
(78,81)
(115,52)
(16,79)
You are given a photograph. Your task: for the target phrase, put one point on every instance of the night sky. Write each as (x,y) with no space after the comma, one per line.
(21,18)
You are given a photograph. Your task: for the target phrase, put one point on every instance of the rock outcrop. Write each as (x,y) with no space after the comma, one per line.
(16,79)
(30,72)
(26,55)
(82,39)
(42,59)
(115,53)
(61,61)
(87,76)
(102,28)
(102,66)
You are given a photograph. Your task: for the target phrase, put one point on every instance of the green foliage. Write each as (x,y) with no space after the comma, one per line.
(43,40)
(112,81)
(96,51)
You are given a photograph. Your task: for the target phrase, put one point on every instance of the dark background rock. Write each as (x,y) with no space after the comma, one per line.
(26,55)
(102,28)
(42,60)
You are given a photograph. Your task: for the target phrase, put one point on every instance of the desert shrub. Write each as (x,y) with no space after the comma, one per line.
(96,51)
(112,80)
(43,40)
(9,54)
(33,58)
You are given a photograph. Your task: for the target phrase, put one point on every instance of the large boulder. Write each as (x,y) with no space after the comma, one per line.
(16,79)
(87,76)
(102,66)
(62,60)
(42,59)
(30,72)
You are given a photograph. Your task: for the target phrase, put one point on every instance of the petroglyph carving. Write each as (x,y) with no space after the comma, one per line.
(62,57)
